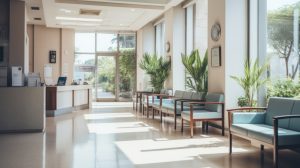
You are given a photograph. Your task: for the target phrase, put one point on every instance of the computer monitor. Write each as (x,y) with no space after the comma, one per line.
(61,81)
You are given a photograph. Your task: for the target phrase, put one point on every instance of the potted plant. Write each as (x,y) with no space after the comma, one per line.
(251,81)
(157,68)
(197,71)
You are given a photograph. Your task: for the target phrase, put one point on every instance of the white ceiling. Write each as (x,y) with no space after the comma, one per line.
(115,15)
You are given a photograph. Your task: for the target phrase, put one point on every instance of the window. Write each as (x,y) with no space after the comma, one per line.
(84,57)
(276,38)
(283,38)
(85,42)
(160,39)
(106,42)
(190,24)
(127,41)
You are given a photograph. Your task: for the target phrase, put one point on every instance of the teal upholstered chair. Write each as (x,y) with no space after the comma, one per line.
(213,110)
(151,98)
(157,106)
(175,107)
(277,126)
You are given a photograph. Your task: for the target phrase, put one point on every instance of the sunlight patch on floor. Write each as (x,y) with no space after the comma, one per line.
(107,116)
(100,105)
(159,151)
(119,127)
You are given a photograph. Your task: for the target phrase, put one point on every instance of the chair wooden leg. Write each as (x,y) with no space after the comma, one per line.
(262,148)
(181,125)
(230,143)
(152,113)
(206,127)
(223,131)
(161,116)
(133,105)
(192,128)
(203,126)
(275,156)
(175,123)
(147,112)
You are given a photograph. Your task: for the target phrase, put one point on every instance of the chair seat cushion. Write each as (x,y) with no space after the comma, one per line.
(170,107)
(150,101)
(201,114)
(265,133)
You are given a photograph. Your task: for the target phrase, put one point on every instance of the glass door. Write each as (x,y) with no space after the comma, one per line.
(106,78)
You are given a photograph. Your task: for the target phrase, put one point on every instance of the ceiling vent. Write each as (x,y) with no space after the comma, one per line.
(37,18)
(35,8)
(89,12)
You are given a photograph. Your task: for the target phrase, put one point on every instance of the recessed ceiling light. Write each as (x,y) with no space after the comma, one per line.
(132,10)
(89,12)
(78,24)
(65,10)
(78,19)
(121,24)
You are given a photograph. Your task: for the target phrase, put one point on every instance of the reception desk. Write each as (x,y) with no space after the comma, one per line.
(67,99)
(22,109)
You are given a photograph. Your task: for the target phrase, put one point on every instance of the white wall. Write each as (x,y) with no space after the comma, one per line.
(145,44)
(168,19)
(201,28)
(178,73)
(231,15)
(216,75)
(235,48)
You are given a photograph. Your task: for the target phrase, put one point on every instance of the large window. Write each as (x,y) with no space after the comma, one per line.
(160,39)
(190,26)
(278,40)
(283,38)
(84,57)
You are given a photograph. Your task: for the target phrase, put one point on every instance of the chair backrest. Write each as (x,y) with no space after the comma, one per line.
(214,97)
(178,94)
(294,123)
(279,106)
(198,96)
(187,95)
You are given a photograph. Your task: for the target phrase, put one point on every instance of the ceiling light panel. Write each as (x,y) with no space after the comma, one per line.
(78,19)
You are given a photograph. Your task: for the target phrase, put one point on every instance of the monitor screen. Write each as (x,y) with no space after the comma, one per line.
(61,81)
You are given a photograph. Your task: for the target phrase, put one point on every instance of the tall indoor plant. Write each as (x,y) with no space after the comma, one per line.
(252,80)
(157,68)
(197,71)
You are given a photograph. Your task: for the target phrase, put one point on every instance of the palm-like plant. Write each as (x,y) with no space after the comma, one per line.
(197,70)
(157,68)
(252,79)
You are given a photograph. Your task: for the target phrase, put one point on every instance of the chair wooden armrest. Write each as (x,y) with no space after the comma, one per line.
(246,109)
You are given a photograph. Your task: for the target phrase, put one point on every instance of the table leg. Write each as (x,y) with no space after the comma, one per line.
(136,101)
(141,103)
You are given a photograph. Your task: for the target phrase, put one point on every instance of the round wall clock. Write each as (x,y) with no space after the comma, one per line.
(216,32)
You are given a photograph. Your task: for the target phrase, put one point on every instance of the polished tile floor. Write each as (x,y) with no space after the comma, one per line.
(111,135)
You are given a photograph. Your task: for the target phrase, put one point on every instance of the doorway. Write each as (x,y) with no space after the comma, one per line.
(106,78)
(108,62)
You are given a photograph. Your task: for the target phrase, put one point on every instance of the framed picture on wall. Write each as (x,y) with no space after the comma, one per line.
(216,56)
(52,56)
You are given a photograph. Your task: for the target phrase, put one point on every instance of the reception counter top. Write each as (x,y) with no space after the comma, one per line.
(67,99)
